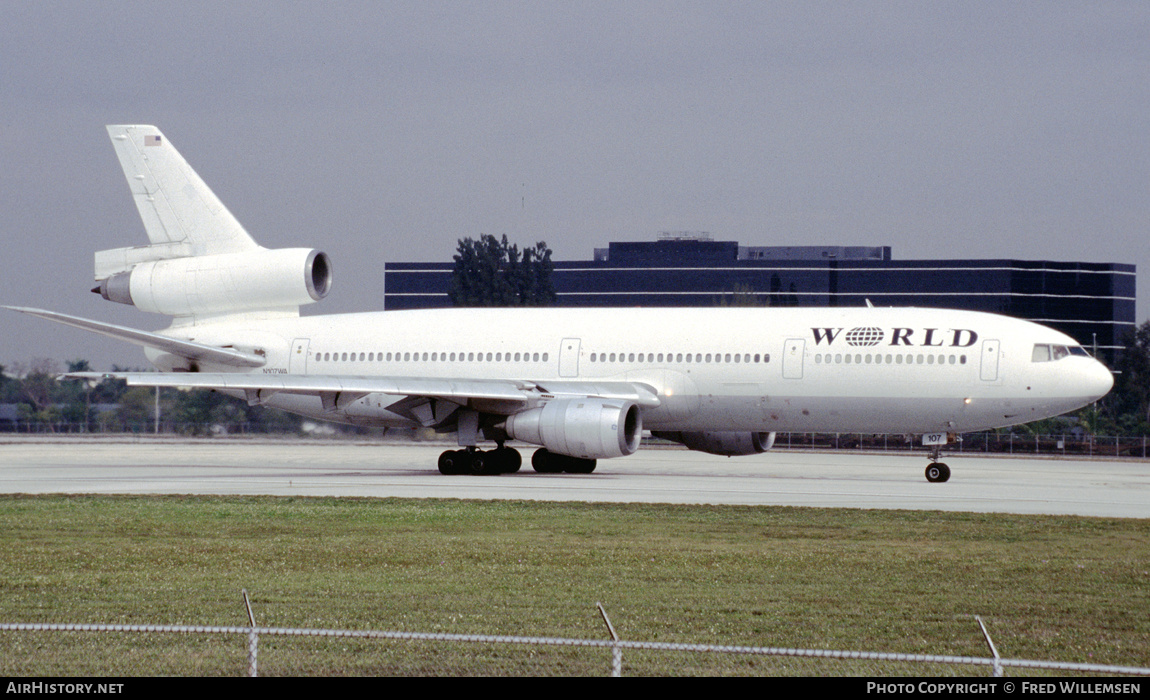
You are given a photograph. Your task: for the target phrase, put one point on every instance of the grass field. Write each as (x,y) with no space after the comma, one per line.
(1048,587)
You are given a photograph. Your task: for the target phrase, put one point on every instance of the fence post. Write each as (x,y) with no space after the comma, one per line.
(616,652)
(253,638)
(993,651)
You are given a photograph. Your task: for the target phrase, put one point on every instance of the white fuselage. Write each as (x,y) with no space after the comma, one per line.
(872,370)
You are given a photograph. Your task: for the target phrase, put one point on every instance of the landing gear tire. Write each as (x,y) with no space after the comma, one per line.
(454,462)
(575,465)
(937,473)
(481,464)
(504,460)
(508,459)
(546,462)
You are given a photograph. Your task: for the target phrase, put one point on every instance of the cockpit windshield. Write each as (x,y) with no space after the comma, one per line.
(1044,352)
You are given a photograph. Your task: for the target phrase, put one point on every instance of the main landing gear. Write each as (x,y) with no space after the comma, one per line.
(502,460)
(505,460)
(936,471)
(547,462)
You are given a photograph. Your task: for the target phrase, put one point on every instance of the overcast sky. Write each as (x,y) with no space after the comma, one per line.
(386,131)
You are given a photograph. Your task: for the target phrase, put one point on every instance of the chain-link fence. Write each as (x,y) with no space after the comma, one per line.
(45,649)
(998,443)
(1069,445)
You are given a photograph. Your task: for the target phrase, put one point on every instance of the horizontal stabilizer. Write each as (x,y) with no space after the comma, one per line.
(182,348)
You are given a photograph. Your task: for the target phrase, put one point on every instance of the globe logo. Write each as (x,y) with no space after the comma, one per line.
(864,337)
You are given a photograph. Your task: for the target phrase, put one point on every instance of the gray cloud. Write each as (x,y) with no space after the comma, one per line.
(386,131)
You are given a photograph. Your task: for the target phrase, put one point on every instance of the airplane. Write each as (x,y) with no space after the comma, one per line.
(580,383)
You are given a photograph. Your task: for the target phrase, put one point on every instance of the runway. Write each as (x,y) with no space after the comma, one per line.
(1117,488)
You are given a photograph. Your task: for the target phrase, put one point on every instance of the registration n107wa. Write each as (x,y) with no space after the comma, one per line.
(582,384)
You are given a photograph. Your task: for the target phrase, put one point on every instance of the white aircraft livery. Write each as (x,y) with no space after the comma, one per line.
(582,384)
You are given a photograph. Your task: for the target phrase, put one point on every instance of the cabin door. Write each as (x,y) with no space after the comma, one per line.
(297,363)
(989,370)
(569,357)
(793,358)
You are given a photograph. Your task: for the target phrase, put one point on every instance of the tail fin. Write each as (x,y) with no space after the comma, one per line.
(181,214)
(201,262)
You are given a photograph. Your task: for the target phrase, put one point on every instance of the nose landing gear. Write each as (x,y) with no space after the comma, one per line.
(936,471)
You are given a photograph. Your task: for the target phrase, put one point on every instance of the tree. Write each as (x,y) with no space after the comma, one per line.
(743,295)
(491,272)
(1131,393)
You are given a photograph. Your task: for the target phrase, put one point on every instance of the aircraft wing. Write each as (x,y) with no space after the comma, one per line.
(491,395)
(183,348)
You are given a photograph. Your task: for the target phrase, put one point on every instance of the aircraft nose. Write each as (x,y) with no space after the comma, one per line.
(1096,380)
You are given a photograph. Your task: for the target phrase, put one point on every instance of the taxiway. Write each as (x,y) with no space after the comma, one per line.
(1114,488)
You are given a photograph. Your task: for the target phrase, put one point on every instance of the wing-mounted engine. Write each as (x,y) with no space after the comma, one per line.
(225,283)
(584,428)
(728,444)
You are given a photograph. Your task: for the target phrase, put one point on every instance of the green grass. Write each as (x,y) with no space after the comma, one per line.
(1053,588)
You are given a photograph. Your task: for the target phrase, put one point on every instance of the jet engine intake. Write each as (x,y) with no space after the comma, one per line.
(224,283)
(584,428)
(728,444)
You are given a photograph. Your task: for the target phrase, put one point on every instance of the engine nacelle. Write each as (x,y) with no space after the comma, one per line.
(225,283)
(585,428)
(728,444)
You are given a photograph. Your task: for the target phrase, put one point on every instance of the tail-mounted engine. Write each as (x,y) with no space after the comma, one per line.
(585,428)
(224,283)
(728,444)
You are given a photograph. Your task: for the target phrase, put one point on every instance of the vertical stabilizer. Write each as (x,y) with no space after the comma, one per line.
(181,215)
(201,263)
